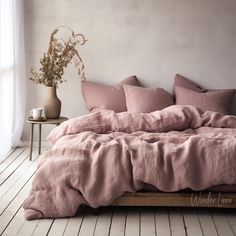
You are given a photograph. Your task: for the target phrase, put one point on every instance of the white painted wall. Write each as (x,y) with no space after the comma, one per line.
(153,39)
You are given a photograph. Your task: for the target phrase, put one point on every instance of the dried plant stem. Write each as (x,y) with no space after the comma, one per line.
(60,53)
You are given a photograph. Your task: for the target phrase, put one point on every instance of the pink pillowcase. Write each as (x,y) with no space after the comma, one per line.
(103,97)
(186,83)
(144,100)
(189,93)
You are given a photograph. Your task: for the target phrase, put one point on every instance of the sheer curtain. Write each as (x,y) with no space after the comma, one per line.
(12,74)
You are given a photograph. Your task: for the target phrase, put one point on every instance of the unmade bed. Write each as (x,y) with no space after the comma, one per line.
(106,158)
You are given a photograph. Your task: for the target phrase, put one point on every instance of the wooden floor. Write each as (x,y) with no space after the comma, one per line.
(16,173)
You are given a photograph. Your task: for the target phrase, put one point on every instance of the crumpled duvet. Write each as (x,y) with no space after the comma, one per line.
(99,156)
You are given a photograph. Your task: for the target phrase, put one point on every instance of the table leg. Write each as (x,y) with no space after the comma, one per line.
(31,141)
(40,129)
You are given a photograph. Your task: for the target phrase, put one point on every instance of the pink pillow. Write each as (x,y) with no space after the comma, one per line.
(144,100)
(189,93)
(103,97)
(186,83)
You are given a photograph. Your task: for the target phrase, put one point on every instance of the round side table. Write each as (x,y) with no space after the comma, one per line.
(40,123)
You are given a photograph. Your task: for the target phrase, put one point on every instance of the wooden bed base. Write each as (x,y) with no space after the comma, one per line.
(192,199)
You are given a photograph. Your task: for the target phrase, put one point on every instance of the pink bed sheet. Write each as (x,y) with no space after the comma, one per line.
(99,156)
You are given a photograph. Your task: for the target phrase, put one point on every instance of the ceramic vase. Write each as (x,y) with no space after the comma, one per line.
(52,104)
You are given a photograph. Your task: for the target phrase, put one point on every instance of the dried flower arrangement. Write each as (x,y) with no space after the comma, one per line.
(60,53)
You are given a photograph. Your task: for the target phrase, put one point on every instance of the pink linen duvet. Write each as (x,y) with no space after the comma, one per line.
(99,156)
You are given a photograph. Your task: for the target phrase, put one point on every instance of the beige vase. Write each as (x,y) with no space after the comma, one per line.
(52,104)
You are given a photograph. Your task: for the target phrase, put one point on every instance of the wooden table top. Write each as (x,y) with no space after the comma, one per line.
(48,121)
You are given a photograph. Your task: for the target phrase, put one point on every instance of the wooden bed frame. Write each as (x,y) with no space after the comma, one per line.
(183,199)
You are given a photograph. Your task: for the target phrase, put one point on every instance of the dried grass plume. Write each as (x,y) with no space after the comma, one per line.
(60,53)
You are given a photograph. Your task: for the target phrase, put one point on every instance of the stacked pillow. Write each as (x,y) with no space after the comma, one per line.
(189,93)
(186,83)
(144,100)
(129,96)
(103,97)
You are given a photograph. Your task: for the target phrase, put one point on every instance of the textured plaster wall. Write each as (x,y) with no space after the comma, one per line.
(153,39)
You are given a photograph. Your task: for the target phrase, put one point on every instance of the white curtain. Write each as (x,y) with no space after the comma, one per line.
(12,74)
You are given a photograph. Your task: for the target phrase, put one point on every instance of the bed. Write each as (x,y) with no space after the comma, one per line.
(190,199)
(108,158)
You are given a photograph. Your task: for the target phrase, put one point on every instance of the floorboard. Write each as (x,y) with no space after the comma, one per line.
(58,227)
(10,165)
(231,217)
(147,222)
(176,222)
(206,221)
(74,224)
(162,222)
(16,186)
(192,223)
(222,225)
(132,221)
(16,175)
(28,227)
(104,220)
(89,223)
(9,154)
(43,227)
(118,221)
(12,209)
